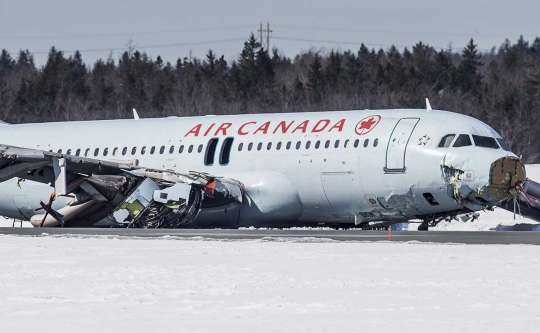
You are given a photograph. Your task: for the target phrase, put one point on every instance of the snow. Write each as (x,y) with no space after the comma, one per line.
(103,284)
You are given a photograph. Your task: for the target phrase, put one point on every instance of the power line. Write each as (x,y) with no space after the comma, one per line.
(126,34)
(351,43)
(151,46)
(475,33)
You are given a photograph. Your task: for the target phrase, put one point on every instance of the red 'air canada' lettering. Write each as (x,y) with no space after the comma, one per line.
(302,126)
(338,126)
(320,126)
(283,127)
(263,128)
(222,128)
(209,129)
(241,128)
(195,130)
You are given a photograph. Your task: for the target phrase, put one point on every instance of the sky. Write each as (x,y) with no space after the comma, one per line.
(173,29)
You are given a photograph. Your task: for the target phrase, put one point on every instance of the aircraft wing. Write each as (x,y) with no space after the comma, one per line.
(135,196)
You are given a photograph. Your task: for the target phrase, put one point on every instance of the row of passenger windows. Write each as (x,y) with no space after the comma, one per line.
(316,145)
(133,151)
(190,149)
(464,140)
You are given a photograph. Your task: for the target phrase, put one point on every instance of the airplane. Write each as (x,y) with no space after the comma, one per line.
(342,169)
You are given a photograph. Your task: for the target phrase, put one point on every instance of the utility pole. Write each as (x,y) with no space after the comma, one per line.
(268,32)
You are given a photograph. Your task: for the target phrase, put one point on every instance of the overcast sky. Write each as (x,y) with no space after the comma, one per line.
(173,28)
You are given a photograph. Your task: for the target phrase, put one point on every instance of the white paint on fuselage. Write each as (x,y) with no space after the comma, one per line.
(319,175)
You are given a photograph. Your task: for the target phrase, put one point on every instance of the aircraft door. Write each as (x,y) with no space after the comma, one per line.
(343,192)
(397,145)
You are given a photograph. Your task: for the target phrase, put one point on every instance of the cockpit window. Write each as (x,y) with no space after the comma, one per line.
(485,141)
(463,140)
(446,140)
(503,144)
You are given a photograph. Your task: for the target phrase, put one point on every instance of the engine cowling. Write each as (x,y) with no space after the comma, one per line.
(270,199)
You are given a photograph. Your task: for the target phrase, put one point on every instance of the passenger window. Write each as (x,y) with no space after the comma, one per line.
(269,146)
(240,146)
(134,151)
(503,144)
(288,145)
(190,149)
(463,140)
(143,150)
(485,141)
(210,151)
(298,144)
(308,144)
(356,143)
(181,150)
(171,150)
(278,146)
(153,150)
(336,145)
(366,143)
(124,151)
(317,144)
(162,149)
(376,143)
(250,146)
(115,151)
(78,152)
(446,140)
(96,152)
(327,144)
(225,155)
(105,151)
(259,146)
(200,148)
(346,143)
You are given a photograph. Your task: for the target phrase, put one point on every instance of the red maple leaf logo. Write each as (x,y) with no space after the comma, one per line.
(367,124)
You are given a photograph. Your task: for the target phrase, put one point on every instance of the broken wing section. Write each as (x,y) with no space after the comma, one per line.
(133,196)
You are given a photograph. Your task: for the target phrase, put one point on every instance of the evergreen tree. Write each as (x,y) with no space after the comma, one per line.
(7,64)
(316,81)
(333,71)
(468,77)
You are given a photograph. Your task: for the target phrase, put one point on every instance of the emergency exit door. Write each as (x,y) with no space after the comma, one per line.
(397,145)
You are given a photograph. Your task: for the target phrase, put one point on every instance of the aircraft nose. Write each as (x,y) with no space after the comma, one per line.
(505,174)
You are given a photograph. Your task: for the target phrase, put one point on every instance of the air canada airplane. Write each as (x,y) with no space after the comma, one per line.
(337,169)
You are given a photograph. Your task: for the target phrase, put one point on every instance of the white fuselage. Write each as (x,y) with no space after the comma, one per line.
(340,163)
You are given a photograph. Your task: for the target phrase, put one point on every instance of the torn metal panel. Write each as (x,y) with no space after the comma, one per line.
(60,172)
(136,202)
(176,193)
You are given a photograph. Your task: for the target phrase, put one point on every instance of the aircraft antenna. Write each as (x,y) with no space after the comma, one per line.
(428,106)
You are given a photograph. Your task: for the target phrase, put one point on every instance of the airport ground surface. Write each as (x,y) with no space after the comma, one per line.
(467,237)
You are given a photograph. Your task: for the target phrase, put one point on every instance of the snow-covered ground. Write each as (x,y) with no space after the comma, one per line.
(55,284)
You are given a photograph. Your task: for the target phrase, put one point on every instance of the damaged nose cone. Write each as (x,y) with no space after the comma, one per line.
(504,175)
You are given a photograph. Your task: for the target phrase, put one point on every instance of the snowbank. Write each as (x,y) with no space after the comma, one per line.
(55,285)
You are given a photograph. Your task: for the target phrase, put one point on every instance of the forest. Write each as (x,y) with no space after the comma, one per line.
(500,87)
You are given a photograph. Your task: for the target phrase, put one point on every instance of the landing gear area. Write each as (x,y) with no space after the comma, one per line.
(434,219)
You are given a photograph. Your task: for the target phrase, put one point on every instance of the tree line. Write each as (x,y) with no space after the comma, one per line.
(500,87)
